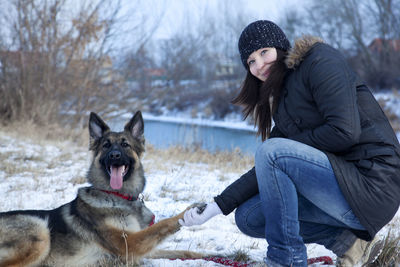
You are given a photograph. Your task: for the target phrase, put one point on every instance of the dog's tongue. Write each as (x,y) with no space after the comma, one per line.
(116,177)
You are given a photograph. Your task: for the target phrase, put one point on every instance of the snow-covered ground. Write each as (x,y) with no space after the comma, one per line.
(44,175)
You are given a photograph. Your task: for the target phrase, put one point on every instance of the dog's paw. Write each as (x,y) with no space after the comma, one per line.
(200,206)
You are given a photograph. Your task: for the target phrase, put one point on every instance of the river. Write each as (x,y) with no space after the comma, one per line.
(163,132)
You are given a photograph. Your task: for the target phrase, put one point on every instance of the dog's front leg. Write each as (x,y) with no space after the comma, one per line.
(138,244)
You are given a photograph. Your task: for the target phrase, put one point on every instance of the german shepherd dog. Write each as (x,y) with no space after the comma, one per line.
(106,219)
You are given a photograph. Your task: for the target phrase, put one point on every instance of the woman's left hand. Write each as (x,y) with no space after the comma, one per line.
(196,216)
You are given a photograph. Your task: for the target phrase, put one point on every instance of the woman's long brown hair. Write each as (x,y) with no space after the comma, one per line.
(255,96)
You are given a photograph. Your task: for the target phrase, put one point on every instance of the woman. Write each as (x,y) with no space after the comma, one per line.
(329,172)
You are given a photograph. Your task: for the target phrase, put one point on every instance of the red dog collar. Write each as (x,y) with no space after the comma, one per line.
(127,197)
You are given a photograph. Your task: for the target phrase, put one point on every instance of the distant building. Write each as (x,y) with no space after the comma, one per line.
(226,68)
(156,74)
(378,45)
(383,68)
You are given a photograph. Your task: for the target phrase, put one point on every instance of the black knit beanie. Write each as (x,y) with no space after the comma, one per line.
(259,34)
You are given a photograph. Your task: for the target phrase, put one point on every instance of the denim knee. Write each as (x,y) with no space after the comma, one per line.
(249,218)
(271,148)
(267,147)
(240,219)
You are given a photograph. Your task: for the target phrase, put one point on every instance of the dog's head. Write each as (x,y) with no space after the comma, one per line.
(116,162)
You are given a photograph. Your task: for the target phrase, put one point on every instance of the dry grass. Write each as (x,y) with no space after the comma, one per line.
(225,160)
(240,255)
(390,256)
(15,162)
(233,161)
(49,133)
(34,160)
(15,165)
(114,261)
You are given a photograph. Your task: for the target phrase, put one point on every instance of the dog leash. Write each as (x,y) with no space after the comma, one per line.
(325,260)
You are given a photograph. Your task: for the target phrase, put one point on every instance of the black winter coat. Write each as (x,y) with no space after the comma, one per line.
(324,105)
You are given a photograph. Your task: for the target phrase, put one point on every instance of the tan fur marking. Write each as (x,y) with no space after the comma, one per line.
(30,252)
(173,254)
(144,241)
(137,160)
(129,224)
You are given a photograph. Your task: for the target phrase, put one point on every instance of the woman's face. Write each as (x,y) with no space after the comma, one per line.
(260,61)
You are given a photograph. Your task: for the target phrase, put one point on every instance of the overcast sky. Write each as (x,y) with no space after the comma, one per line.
(174,10)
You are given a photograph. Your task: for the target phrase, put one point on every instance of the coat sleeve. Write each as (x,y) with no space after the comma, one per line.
(238,192)
(243,188)
(275,132)
(332,85)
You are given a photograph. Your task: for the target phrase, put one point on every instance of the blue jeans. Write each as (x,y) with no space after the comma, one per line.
(299,202)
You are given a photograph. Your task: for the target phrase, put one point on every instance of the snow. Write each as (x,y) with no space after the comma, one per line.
(51,173)
(391,100)
(201,122)
(37,175)
(29,188)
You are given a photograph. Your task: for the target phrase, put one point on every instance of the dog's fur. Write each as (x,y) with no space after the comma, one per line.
(98,223)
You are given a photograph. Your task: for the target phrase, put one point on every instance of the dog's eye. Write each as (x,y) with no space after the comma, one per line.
(125,144)
(106,145)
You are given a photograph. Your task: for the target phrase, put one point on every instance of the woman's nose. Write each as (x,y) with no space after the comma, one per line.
(259,64)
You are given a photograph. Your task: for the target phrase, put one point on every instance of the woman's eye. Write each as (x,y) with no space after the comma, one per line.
(250,62)
(263,52)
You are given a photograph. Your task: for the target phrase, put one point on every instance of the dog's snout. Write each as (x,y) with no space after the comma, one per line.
(115,154)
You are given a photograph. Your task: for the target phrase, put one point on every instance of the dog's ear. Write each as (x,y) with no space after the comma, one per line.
(136,126)
(97,127)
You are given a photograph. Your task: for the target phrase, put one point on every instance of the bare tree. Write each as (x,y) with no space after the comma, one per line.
(56,57)
(352,26)
(292,23)
(193,53)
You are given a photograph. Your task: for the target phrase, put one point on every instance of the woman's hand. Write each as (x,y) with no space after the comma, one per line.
(197,216)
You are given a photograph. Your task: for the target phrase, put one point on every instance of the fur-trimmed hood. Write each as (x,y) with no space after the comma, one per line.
(299,50)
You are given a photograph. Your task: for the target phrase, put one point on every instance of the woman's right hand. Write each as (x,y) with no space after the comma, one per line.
(199,215)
